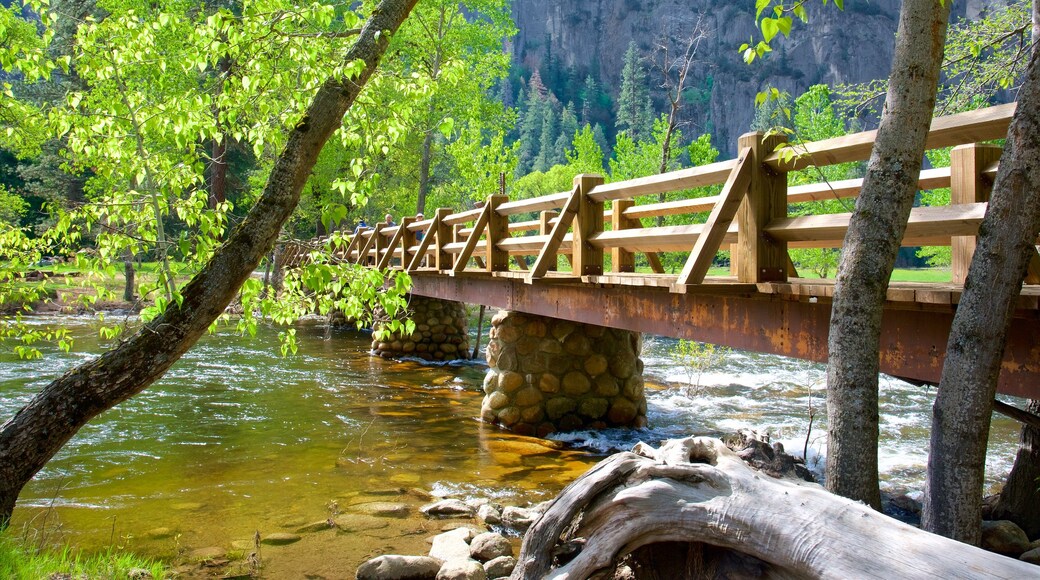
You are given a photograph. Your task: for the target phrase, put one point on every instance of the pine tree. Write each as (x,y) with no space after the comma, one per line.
(589,99)
(568,129)
(531,120)
(547,144)
(635,113)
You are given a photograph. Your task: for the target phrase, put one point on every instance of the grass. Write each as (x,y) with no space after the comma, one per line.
(19,562)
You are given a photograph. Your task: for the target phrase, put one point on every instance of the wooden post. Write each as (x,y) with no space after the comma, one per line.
(968,184)
(761,258)
(497,260)
(442,259)
(407,241)
(545,228)
(380,243)
(587,260)
(621,260)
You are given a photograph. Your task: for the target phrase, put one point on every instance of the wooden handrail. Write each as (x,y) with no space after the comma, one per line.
(690,178)
(760,227)
(969,127)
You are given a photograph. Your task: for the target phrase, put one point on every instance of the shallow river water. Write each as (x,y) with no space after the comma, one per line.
(237,440)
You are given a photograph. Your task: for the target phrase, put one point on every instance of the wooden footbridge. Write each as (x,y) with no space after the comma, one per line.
(480,255)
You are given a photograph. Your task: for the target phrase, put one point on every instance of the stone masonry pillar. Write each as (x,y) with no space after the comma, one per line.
(550,375)
(440,332)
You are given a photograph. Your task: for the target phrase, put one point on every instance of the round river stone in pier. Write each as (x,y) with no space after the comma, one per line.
(550,375)
(440,332)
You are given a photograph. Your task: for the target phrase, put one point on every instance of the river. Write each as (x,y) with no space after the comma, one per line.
(237,440)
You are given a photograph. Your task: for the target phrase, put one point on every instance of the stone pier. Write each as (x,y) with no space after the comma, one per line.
(440,332)
(550,375)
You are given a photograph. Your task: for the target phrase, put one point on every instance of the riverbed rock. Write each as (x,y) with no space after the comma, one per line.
(316,527)
(1004,537)
(211,553)
(451,546)
(399,568)
(462,570)
(488,546)
(489,514)
(280,539)
(518,518)
(500,566)
(160,533)
(448,508)
(384,509)
(359,522)
(1032,556)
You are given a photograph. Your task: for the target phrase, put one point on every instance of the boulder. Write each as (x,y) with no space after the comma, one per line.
(489,515)
(399,568)
(488,546)
(452,546)
(1032,556)
(462,570)
(1004,537)
(448,508)
(518,518)
(500,566)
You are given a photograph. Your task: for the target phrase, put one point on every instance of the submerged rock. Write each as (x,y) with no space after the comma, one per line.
(211,553)
(280,539)
(359,522)
(384,509)
(448,508)
(399,568)
(316,527)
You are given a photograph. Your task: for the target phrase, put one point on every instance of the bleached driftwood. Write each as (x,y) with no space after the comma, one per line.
(696,490)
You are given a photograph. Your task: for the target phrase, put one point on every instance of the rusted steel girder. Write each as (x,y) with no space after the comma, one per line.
(913,339)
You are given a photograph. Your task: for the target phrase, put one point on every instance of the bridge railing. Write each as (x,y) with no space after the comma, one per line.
(749,214)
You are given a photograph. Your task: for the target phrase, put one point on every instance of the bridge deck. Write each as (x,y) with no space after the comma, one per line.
(790,318)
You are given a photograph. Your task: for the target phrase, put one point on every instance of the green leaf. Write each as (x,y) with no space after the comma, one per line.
(769,28)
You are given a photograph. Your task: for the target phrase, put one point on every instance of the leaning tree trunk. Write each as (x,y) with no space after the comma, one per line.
(871,245)
(696,490)
(975,351)
(37,431)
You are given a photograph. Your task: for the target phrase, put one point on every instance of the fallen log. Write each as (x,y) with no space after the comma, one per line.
(696,490)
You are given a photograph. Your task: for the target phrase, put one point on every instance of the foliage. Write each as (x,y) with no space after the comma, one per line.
(150,86)
(18,562)
(586,155)
(778,18)
(697,357)
(983,58)
(811,117)
(12,207)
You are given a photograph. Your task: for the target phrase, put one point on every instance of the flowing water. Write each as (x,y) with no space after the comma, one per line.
(237,440)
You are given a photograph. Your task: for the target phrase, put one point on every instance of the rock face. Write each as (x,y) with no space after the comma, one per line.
(440,332)
(550,375)
(590,38)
